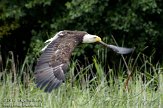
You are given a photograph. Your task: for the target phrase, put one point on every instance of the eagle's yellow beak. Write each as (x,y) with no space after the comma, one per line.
(98,39)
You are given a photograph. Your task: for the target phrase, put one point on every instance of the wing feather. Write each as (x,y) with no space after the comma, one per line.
(43,75)
(50,68)
(54,60)
(47,82)
(53,84)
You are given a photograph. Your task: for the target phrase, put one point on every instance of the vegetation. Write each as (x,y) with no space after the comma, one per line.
(81,91)
(27,23)
(96,79)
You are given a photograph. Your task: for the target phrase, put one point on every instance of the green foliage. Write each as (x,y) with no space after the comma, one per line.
(6,28)
(10,14)
(136,23)
(33,3)
(78,91)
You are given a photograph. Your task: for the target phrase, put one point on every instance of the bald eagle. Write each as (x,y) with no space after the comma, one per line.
(54,60)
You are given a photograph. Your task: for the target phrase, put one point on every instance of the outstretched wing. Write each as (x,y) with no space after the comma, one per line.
(51,66)
(119,50)
(54,61)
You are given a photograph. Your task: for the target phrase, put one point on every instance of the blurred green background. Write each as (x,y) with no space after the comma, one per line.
(26,24)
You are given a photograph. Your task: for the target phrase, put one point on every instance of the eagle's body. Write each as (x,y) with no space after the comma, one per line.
(54,60)
(53,63)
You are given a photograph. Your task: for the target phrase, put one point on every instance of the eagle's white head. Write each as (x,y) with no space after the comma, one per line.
(88,38)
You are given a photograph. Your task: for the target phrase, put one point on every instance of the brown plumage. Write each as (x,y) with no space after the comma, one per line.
(53,62)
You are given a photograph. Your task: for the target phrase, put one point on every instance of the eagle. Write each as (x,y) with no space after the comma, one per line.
(55,58)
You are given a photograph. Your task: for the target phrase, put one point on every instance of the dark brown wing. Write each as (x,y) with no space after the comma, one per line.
(51,66)
(54,61)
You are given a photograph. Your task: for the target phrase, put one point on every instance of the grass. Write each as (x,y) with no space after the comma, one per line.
(81,91)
